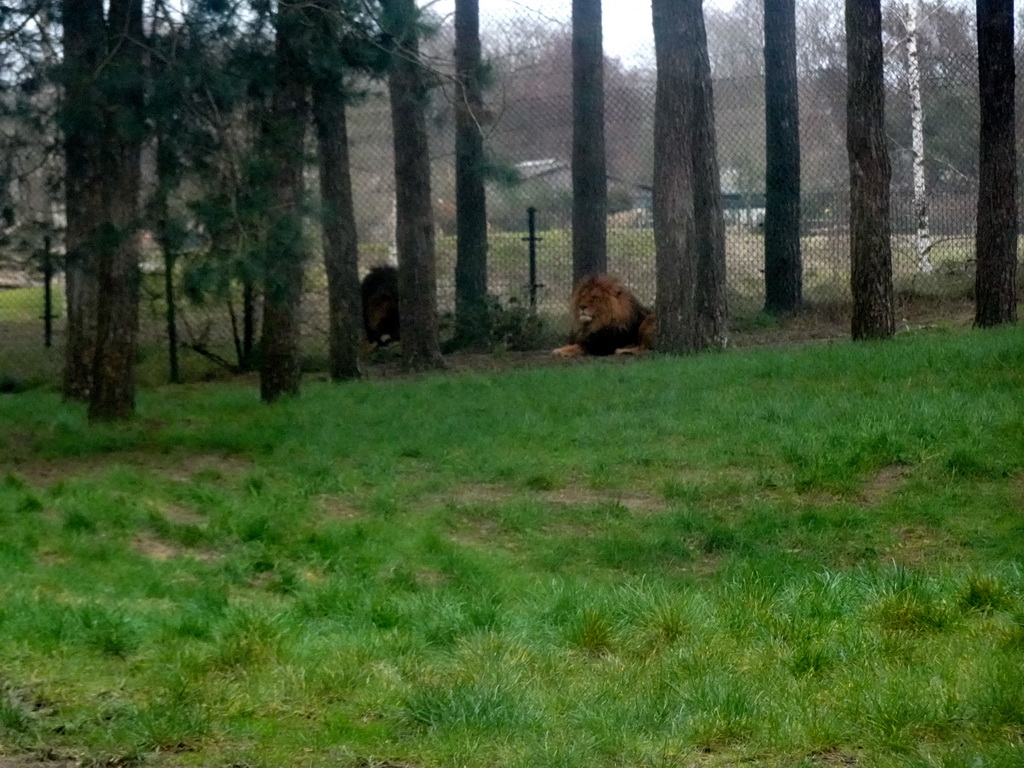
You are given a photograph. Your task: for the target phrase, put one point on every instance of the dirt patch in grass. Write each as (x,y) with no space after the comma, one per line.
(882,485)
(918,545)
(155,548)
(185,468)
(32,761)
(336,508)
(43,473)
(179,515)
(834,757)
(482,494)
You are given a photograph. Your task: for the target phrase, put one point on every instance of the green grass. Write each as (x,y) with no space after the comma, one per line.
(767,558)
(27,304)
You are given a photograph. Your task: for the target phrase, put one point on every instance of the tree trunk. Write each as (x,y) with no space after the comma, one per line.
(82,115)
(113,391)
(340,241)
(674,225)
(924,240)
(414,229)
(783,267)
(589,172)
(280,369)
(996,237)
(712,316)
(870,246)
(688,227)
(104,129)
(470,198)
(169,236)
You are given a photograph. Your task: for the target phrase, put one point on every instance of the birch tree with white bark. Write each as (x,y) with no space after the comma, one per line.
(924,243)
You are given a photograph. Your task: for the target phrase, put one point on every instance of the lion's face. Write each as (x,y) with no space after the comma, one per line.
(600,302)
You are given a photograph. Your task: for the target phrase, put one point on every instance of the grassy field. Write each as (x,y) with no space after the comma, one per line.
(764,558)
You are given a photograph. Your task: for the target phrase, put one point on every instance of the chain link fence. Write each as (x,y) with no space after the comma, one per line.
(528,137)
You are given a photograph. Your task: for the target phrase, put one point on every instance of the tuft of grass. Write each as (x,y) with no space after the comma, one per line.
(985,594)
(14,717)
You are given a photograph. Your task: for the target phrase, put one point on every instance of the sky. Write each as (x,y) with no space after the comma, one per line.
(626,23)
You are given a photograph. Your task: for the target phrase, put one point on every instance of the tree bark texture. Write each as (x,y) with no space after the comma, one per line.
(113,388)
(417,281)
(280,370)
(470,196)
(341,253)
(996,237)
(688,225)
(712,314)
(870,174)
(589,171)
(340,240)
(82,117)
(783,266)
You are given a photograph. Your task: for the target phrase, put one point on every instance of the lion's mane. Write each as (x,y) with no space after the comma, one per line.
(380,305)
(607,319)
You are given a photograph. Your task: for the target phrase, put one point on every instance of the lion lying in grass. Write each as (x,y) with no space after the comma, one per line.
(607,319)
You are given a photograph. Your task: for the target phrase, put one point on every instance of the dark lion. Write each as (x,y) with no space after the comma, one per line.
(607,319)
(380,305)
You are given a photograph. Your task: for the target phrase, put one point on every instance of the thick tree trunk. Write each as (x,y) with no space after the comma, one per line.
(589,172)
(783,267)
(870,247)
(340,241)
(470,198)
(104,127)
(674,225)
(280,369)
(924,240)
(113,391)
(712,315)
(82,116)
(417,282)
(688,226)
(996,238)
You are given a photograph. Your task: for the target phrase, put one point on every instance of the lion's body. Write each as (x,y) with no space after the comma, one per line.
(380,305)
(607,319)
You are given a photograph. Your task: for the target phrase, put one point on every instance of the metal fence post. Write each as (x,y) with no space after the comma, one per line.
(47,294)
(532,239)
